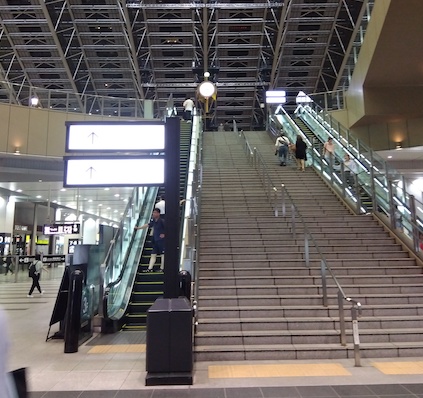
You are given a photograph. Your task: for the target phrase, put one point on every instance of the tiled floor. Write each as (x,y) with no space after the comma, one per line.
(114,366)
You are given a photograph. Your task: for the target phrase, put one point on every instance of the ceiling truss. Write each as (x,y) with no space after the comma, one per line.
(84,50)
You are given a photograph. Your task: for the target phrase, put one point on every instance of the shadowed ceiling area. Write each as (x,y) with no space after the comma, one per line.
(149,49)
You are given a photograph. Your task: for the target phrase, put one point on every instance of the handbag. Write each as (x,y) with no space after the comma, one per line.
(19,377)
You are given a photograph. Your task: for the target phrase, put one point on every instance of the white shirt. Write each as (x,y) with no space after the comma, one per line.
(351,166)
(188,104)
(161,206)
(281,141)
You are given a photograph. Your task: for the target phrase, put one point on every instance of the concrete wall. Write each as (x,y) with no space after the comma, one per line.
(38,131)
(385,97)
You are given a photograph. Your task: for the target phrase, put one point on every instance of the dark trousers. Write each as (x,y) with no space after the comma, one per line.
(35,284)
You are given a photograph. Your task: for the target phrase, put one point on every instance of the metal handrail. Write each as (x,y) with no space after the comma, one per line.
(284,194)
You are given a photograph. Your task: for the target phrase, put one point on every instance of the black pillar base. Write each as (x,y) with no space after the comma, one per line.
(168,379)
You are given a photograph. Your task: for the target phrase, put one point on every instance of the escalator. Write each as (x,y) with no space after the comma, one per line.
(149,286)
(365,200)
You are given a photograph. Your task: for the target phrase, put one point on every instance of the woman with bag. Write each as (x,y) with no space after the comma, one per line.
(35,270)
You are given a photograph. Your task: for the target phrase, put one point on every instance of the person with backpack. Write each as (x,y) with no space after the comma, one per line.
(282,144)
(34,272)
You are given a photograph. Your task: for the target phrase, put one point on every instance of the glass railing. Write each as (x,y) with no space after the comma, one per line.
(377,187)
(122,259)
(191,219)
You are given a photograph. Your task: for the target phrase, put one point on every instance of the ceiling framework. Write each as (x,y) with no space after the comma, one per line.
(84,50)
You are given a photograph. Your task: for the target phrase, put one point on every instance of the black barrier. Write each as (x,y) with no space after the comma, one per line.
(185,284)
(73,312)
(169,342)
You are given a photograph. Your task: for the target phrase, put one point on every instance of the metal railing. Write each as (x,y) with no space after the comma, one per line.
(190,242)
(280,199)
(383,186)
(68,101)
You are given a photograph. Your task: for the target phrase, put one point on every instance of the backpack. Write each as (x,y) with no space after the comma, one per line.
(32,269)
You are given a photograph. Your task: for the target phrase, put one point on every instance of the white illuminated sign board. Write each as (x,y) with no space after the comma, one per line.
(113,171)
(61,229)
(275,97)
(115,137)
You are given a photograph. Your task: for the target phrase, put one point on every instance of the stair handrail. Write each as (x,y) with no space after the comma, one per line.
(189,252)
(284,194)
(254,159)
(384,184)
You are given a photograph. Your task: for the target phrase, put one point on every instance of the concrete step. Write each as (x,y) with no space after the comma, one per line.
(302,299)
(312,323)
(355,281)
(301,311)
(305,351)
(305,336)
(301,271)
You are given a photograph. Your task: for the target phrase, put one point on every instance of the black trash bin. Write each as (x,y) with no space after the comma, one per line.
(185,284)
(169,342)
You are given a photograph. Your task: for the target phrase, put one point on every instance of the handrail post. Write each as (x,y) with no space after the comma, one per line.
(357,192)
(344,180)
(414,229)
(324,283)
(283,200)
(356,336)
(306,250)
(392,208)
(372,182)
(342,318)
(275,201)
(293,219)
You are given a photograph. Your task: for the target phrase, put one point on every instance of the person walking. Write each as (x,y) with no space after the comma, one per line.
(300,153)
(188,107)
(282,144)
(8,265)
(158,226)
(329,151)
(350,169)
(35,270)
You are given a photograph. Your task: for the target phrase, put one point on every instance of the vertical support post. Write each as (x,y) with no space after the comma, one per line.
(275,201)
(392,208)
(357,192)
(34,229)
(414,228)
(293,219)
(324,284)
(345,183)
(372,182)
(306,250)
(356,336)
(172,176)
(283,200)
(342,318)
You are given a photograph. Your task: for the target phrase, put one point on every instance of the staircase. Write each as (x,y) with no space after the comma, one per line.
(149,286)
(257,300)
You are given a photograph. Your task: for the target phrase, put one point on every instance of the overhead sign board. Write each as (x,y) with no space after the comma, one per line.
(53,258)
(62,229)
(113,171)
(115,136)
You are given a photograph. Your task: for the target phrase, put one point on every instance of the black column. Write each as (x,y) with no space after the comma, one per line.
(172,177)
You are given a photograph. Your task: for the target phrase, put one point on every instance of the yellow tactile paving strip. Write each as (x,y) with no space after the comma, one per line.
(276,370)
(400,368)
(118,348)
